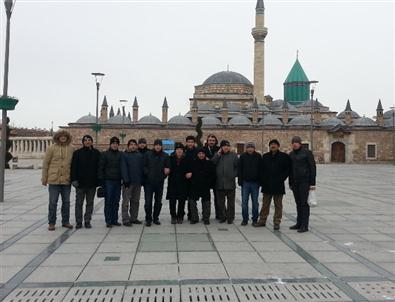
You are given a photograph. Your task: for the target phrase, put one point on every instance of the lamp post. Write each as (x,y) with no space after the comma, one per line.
(393,133)
(122,134)
(313,84)
(6,102)
(98,79)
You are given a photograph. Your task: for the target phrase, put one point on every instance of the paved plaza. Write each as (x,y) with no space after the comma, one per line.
(348,255)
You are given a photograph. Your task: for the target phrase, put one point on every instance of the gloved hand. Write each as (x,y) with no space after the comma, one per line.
(75,184)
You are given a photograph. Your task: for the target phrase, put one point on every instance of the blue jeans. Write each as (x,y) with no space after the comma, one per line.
(149,191)
(112,190)
(249,188)
(54,192)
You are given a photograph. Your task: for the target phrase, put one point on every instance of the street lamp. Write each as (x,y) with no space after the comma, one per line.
(122,134)
(312,89)
(98,79)
(6,103)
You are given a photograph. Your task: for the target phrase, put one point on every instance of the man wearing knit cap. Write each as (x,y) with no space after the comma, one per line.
(84,166)
(301,181)
(226,171)
(275,170)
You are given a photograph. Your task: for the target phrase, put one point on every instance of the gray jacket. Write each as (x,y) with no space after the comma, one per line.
(226,170)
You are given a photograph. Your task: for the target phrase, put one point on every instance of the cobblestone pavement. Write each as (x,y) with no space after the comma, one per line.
(348,255)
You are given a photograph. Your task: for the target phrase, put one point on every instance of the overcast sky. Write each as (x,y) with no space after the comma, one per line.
(152,49)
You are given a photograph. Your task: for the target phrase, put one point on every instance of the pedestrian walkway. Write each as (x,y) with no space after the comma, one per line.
(348,255)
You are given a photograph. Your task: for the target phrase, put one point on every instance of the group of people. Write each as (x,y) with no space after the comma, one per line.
(194,175)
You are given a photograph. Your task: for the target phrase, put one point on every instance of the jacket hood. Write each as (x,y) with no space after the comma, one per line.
(62,133)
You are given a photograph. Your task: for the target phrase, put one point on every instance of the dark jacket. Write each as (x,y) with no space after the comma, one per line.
(226,170)
(249,168)
(190,154)
(154,165)
(210,152)
(132,167)
(275,170)
(84,165)
(143,150)
(303,168)
(177,187)
(203,175)
(110,165)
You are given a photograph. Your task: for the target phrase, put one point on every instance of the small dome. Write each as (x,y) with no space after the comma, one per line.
(179,120)
(149,120)
(342,114)
(389,113)
(308,104)
(389,122)
(240,120)
(211,120)
(277,105)
(270,120)
(300,120)
(204,106)
(119,119)
(332,121)
(87,119)
(365,121)
(227,77)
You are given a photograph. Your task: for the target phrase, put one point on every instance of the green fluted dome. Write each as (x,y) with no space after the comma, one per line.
(297,74)
(296,85)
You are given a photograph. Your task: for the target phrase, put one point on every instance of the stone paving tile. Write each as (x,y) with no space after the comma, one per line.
(117,247)
(111,259)
(350,269)
(154,272)
(105,273)
(57,259)
(156,258)
(240,257)
(281,257)
(202,271)
(55,274)
(199,257)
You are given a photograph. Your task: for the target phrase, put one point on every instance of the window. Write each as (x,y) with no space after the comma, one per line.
(240,148)
(371,151)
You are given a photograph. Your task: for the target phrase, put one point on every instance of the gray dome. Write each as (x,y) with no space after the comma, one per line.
(308,104)
(119,119)
(389,122)
(87,119)
(149,120)
(300,120)
(240,120)
(342,115)
(211,120)
(205,106)
(365,121)
(233,107)
(179,120)
(332,121)
(277,105)
(227,77)
(270,120)
(389,114)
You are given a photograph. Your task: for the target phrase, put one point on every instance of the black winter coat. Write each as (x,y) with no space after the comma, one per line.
(275,170)
(210,152)
(154,165)
(303,168)
(84,166)
(110,165)
(203,175)
(177,186)
(132,167)
(249,168)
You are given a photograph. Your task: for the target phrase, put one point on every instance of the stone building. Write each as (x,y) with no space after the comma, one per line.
(232,107)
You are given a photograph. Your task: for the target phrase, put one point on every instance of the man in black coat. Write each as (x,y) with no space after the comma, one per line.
(203,173)
(109,174)
(275,170)
(301,181)
(84,165)
(177,185)
(156,169)
(190,156)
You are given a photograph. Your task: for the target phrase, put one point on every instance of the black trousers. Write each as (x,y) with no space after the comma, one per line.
(149,191)
(301,194)
(82,194)
(177,212)
(206,209)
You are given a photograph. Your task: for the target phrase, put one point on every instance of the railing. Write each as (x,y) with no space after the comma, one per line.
(30,146)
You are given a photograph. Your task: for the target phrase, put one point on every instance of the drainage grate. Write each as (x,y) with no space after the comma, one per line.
(223,229)
(53,294)
(316,292)
(380,291)
(207,293)
(152,294)
(112,258)
(89,294)
(262,292)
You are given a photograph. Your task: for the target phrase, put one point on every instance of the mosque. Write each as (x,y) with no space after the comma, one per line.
(232,107)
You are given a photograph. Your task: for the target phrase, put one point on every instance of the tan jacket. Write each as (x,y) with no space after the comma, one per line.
(57,162)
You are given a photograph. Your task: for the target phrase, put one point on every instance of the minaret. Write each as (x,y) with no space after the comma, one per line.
(380,114)
(111,112)
(104,111)
(348,114)
(259,33)
(194,111)
(165,109)
(135,110)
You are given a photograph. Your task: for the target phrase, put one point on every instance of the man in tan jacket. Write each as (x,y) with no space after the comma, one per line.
(56,174)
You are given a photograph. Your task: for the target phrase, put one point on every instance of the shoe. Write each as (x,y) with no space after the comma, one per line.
(109,225)
(157,222)
(78,226)
(67,226)
(243,223)
(136,221)
(117,224)
(180,221)
(173,221)
(148,223)
(222,220)
(206,222)
(193,222)
(259,224)
(128,224)
(303,230)
(294,227)
(230,221)
(51,227)
(276,227)
(88,225)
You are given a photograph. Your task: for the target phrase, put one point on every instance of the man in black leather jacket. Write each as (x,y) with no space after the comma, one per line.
(301,181)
